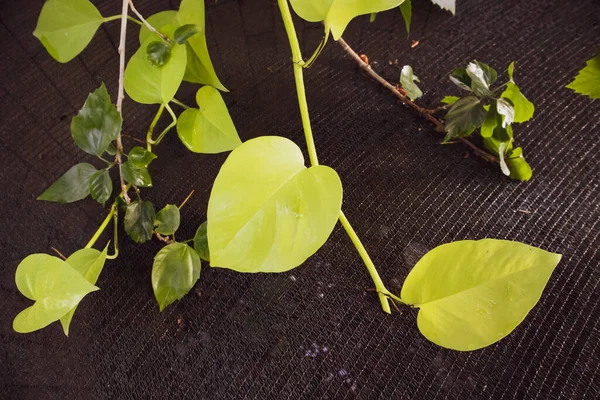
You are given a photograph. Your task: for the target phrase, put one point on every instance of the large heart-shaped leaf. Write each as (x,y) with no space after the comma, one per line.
(74,185)
(65,27)
(210,128)
(54,286)
(89,263)
(473,293)
(267,212)
(175,270)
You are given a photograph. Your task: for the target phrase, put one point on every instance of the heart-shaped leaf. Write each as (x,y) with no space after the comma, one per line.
(473,293)
(89,263)
(210,128)
(201,242)
(54,286)
(139,220)
(74,185)
(175,270)
(65,27)
(267,212)
(167,220)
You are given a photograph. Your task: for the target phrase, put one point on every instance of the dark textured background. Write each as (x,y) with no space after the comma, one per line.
(254,336)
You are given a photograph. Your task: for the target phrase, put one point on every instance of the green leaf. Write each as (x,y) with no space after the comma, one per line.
(499,135)
(158,53)
(111,149)
(524,108)
(175,270)
(337,14)
(200,68)
(74,185)
(148,84)
(450,99)
(449,5)
(101,186)
(406,10)
(160,21)
(587,81)
(201,242)
(139,157)
(482,77)
(461,79)
(139,220)
(54,286)
(89,263)
(466,115)
(183,33)
(519,169)
(473,293)
(506,110)
(65,27)
(407,80)
(210,128)
(267,212)
(135,175)
(492,120)
(167,220)
(511,71)
(97,124)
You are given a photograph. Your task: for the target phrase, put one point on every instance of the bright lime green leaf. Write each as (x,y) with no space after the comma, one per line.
(511,71)
(89,263)
(450,99)
(499,135)
(201,242)
(65,27)
(587,82)
(97,124)
(140,157)
(519,168)
(167,220)
(210,128)
(524,108)
(492,120)
(473,293)
(175,270)
(137,176)
(101,186)
(466,115)
(159,21)
(267,212)
(54,286)
(407,80)
(200,69)
(139,220)
(74,185)
(372,17)
(406,10)
(449,5)
(148,84)
(337,14)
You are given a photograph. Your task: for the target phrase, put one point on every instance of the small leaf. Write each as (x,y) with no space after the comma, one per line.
(135,175)
(210,128)
(449,5)
(407,80)
(101,186)
(473,293)
(201,242)
(167,220)
(466,115)
(65,27)
(519,169)
(97,124)
(111,149)
(524,108)
(183,33)
(54,286)
(492,120)
(482,77)
(89,263)
(175,270)
(140,157)
(511,71)
(139,220)
(267,211)
(450,99)
(158,53)
(406,10)
(372,17)
(587,81)
(506,109)
(461,79)
(499,136)
(74,185)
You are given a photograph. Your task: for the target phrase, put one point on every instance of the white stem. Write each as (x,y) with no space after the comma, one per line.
(121,93)
(150,27)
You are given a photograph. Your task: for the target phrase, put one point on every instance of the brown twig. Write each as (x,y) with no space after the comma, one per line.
(59,253)
(427,114)
(162,238)
(186,199)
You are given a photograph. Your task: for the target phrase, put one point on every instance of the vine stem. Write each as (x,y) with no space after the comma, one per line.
(312,152)
(103,226)
(427,114)
(121,95)
(150,27)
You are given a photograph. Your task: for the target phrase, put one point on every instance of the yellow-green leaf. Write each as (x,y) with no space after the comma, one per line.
(267,212)
(473,293)
(587,81)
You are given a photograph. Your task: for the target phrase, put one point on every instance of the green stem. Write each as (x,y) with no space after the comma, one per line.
(116,236)
(168,128)
(180,104)
(102,227)
(118,16)
(149,141)
(382,291)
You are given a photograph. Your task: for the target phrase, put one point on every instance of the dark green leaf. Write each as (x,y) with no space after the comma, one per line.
(406,10)
(587,82)
(111,149)
(97,124)
(464,117)
(183,33)
(461,79)
(519,169)
(450,99)
(74,185)
(201,242)
(136,176)
(175,270)
(407,80)
(101,186)
(158,53)
(140,157)
(482,76)
(492,120)
(167,220)
(139,220)
(506,109)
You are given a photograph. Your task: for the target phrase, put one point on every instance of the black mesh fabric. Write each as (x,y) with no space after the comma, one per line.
(315,332)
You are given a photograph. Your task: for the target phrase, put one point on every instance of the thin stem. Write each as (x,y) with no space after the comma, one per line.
(149,141)
(118,16)
(186,199)
(439,126)
(168,128)
(150,27)
(59,253)
(102,227)
(116,236)
(180,104)
(121,96)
